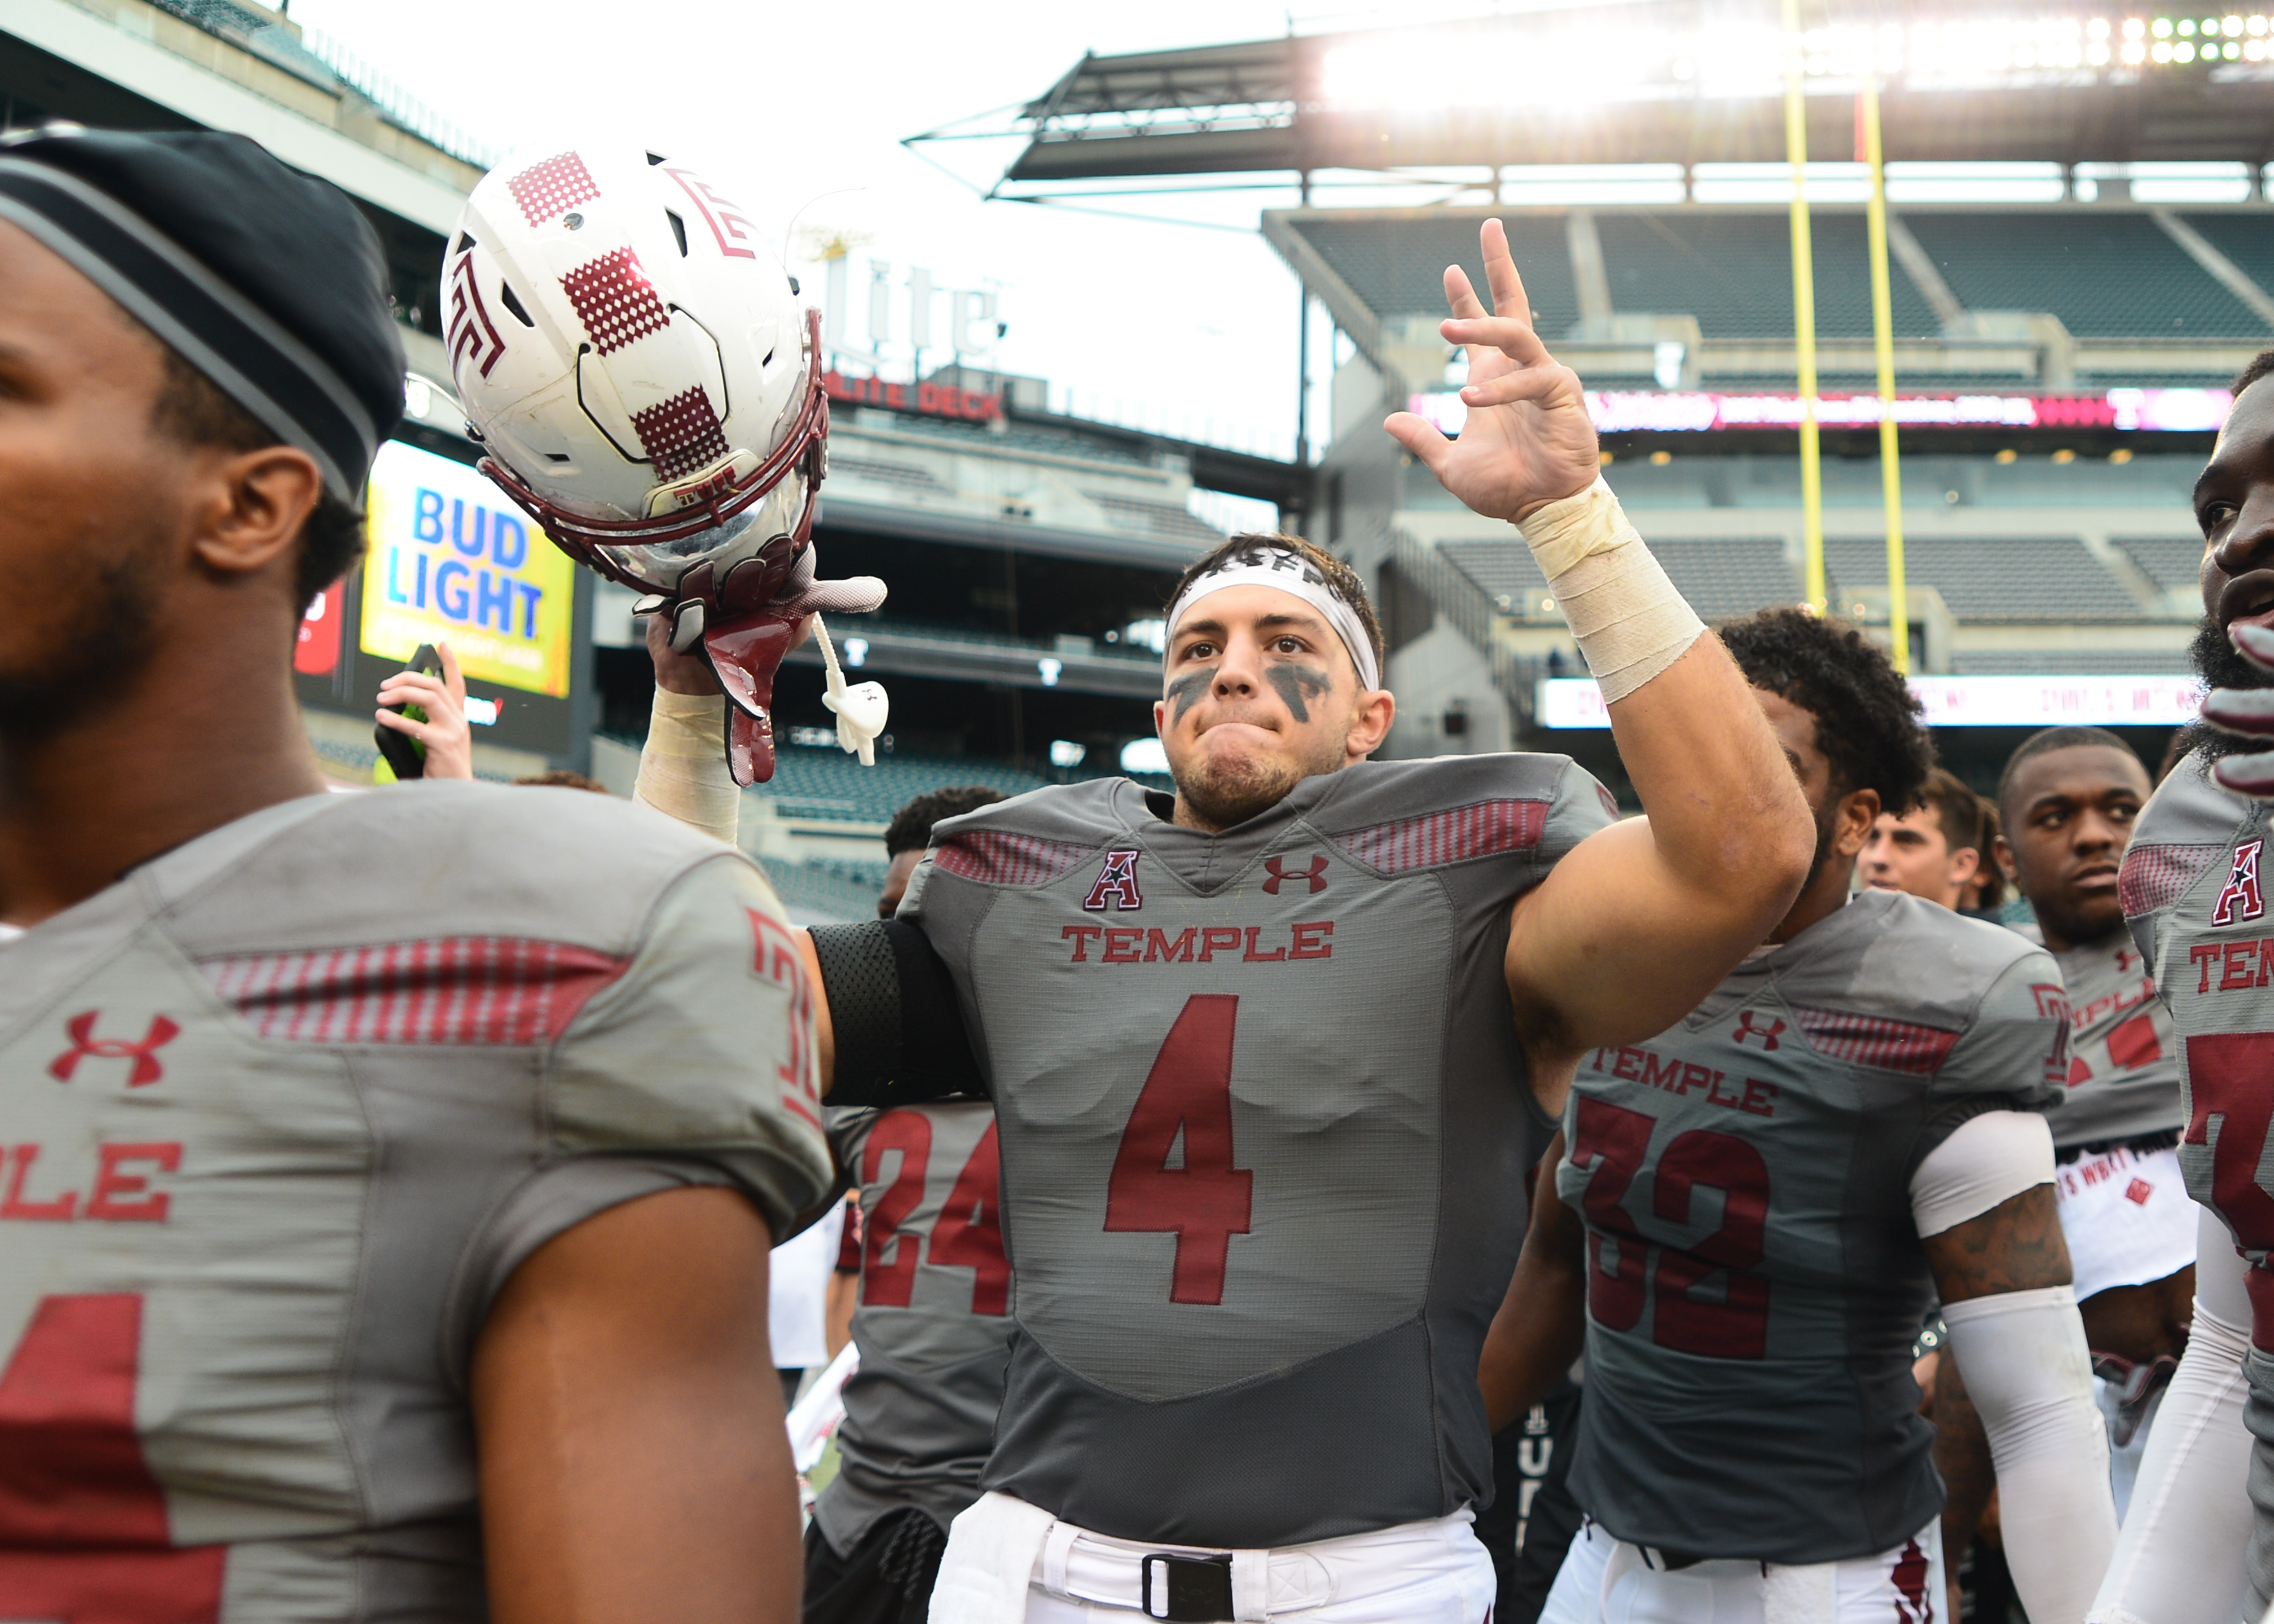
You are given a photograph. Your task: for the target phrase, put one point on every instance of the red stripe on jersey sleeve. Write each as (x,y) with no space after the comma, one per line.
(997,857)
(1875,1041)
(2155,877)
(1435,839)
(503,991)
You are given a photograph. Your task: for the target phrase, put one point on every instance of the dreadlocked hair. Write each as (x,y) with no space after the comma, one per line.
(1868,725)
(1342,582)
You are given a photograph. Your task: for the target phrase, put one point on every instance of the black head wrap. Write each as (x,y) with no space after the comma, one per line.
(266,280)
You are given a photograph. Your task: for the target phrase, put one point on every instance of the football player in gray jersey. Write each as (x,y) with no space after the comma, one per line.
(384,1227)
(933,1327)
(1759,1203)
(2070,799)
(2197,1548)
(1270,1056)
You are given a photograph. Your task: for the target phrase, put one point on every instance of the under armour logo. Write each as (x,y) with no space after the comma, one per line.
(1317,873)
(1746,1028)
(2241,891)
(147,1067)
(1117,880)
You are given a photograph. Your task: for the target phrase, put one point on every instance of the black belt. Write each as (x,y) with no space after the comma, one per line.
(1187,1589)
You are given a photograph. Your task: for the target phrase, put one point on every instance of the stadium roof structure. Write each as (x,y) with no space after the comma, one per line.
(1657,81)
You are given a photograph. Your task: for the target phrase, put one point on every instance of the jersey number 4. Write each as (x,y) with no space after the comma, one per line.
(2230,1097)
(84,1536)
(968,1231)
(1609,1143)
(1186,1101)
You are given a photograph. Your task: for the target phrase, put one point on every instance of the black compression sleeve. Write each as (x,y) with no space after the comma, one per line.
(899,1029)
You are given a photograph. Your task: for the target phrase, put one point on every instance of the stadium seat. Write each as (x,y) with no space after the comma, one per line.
(2172,562)
(1734,273)
(1402,272)
(2010,578)
(2104,275)
(1722,578)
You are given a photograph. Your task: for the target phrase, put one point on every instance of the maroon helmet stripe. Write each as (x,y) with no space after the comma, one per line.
(681,435)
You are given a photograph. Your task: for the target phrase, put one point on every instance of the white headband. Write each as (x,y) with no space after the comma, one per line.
(1289,572)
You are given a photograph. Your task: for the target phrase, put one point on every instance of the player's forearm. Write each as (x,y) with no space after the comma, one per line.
(1541,1325)
(1961,1456)
(683,771)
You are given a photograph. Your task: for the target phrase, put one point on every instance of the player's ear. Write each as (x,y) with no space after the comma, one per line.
(1377,709)
(258,502)
(2002,849)
(1965,863)
(1858,811)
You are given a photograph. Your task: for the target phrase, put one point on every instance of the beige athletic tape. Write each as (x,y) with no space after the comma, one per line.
(1629,621)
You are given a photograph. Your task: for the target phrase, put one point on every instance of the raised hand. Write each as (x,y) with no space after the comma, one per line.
(1528,440)
(2248,712)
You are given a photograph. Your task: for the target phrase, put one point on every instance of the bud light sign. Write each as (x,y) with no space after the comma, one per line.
(453,561)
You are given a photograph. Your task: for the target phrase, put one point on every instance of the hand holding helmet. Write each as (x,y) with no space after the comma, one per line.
(648,392)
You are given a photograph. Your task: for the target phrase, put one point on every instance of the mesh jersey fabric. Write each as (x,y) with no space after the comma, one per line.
(934,1323)
(1755,1274)
(2123,1059)
(2194,897)
(1260,1105)
(286,1107)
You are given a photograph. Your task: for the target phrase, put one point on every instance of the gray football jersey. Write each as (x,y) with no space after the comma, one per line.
(934,1324)
(2193,894)
(283,1110)
(1261,1106)
(1755,1277)
(2123,1061)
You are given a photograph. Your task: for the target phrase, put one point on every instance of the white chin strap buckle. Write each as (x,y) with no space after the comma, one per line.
(861,709)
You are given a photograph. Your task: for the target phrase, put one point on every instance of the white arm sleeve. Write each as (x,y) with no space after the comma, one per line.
(1990,1158)
(2023,1356)
(2180,1559)
(683,771)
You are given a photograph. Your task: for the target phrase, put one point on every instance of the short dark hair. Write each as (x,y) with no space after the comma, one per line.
(1868,724)
(2261,364)
(1342,581)
(910,830)
(192,411)
(2054,739)
(1957,809)
(561,777)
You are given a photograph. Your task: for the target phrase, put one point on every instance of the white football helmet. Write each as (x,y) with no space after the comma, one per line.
(639,368)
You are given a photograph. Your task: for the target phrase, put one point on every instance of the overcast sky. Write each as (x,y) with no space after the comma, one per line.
(809,106)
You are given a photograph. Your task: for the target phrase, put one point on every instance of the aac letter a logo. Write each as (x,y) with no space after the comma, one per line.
(2241,898)
(1117,880)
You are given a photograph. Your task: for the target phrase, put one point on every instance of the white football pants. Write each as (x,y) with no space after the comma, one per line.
(1606,1581)
(1419,1573)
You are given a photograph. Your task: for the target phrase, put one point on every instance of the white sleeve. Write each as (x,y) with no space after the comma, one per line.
(2180,1559)
(682,771)
(2023,1356)
(1989,1159)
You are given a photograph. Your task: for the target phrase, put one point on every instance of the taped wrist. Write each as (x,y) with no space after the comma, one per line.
(893,1005)
(683,771)
(1629,621)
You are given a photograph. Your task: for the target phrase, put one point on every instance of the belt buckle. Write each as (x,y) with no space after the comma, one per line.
(1186,1589)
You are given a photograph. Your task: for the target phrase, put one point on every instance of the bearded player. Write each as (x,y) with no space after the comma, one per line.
(2193,891)
(1270,1056)
(933,1326)
(1758,1204)
(390,1175)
